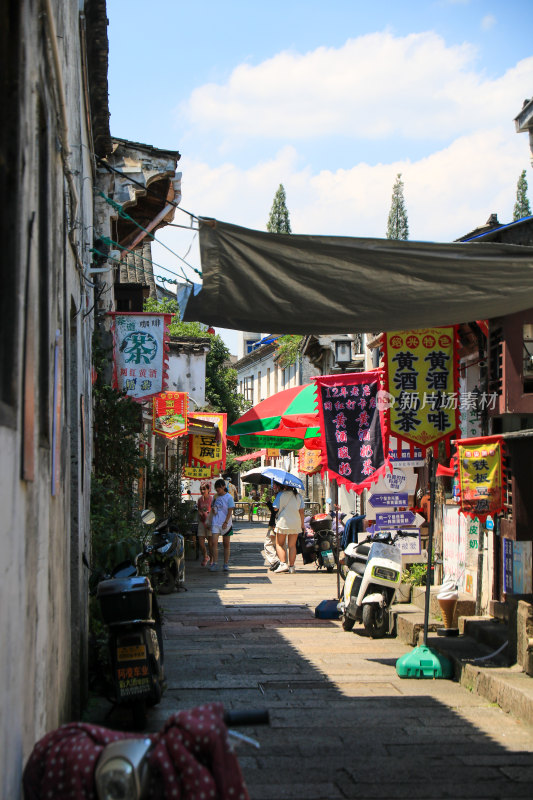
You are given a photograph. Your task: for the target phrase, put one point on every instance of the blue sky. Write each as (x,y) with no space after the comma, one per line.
(332,100)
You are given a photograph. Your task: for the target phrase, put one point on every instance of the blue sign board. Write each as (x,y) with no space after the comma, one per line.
(395,519)
(508,566)
(386,500)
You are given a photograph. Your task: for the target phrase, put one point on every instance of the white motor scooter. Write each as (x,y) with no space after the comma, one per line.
(372,573)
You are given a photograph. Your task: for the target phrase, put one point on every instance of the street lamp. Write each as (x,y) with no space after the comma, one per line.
(343,351)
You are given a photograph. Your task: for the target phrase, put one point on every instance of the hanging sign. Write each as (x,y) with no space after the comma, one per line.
(517,575)
(400,456)
(350,426)
(169,414)
(197,473)
(399,479)
(309,461)
(140,353)
(206,451)
(480,468)
(421,382)
(398,519)
(393,500)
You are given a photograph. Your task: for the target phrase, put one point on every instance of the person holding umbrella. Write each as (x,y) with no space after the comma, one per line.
(288,524)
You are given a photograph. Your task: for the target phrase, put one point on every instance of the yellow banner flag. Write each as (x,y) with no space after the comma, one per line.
(421,400)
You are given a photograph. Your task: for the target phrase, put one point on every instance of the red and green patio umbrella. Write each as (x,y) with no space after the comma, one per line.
(287,420)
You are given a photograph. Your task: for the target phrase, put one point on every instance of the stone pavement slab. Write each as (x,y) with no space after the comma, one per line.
(343,724)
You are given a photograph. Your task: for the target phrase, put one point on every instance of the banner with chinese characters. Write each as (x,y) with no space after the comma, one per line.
(351,429)
(169,414)
(205,451)
(421,382)
(197,473)
(480,467)
(140,353)
(309,461)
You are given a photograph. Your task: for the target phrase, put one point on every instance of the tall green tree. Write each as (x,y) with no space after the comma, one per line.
(397,225)
(521,207)
(278,221)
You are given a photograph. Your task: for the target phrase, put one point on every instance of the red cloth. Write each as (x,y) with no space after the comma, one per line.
(191,757)
(443,471)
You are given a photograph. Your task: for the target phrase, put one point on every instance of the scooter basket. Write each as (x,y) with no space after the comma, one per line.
(125,599)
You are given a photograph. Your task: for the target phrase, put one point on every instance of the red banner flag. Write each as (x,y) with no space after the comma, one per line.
(169,414)
(207,452)
(350,424)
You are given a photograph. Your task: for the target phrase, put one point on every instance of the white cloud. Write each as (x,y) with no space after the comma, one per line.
(375,86)
(488,22)
(448,193)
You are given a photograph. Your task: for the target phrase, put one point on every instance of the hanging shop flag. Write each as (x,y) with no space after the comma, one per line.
(421,381)
(169,414)
(480,466)
(309,461)
(140,353)
(350,425)
(197,473)
(205,451)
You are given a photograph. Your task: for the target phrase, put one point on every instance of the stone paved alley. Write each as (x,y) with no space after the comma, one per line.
(343,725)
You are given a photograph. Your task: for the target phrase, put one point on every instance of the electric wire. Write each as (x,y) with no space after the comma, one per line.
(145,188)
(120,211)
(136,268)
(109,241)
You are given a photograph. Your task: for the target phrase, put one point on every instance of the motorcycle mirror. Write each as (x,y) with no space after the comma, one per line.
(148,516)
(121,770)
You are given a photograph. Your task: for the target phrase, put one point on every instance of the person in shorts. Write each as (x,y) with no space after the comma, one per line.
(204,507)
(289,523)
(219,522)
(269,545)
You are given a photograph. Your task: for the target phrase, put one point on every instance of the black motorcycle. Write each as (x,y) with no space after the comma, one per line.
(318,543)
(130,611)
(164,558)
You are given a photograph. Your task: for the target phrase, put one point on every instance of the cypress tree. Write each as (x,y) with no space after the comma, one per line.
(278,221)
(397,225)
(521,207)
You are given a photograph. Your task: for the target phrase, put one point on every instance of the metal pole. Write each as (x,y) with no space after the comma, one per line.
(432,482)
(479,587)
(336,496)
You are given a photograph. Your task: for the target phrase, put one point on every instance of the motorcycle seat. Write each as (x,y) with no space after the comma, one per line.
(362,549)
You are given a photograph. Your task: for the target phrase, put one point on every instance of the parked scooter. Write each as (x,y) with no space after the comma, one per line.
(318,542)
(165,559)
(129,609)
(372,572)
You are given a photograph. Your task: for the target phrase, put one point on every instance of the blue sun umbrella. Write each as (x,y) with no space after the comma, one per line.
(282,477)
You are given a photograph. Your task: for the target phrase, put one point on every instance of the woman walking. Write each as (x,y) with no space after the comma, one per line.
(204,507)
(288,524)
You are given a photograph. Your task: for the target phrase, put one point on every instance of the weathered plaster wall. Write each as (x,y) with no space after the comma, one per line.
(186,373)
(43,587)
